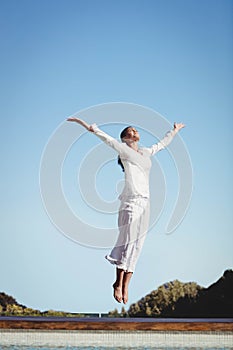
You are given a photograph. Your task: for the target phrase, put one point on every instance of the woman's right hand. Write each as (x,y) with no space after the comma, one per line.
(81,122)
(72,119)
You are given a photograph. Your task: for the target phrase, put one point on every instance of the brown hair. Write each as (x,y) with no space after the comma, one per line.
(124,132)
(122,135)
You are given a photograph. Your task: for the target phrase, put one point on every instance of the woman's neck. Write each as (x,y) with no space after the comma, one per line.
(132,144)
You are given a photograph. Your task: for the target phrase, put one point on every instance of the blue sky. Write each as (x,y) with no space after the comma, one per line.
(59,57)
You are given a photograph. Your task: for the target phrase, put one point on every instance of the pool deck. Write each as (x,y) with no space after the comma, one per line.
(117,324)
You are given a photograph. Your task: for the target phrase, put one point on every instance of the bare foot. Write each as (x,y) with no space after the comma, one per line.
(117,293)
(125,294)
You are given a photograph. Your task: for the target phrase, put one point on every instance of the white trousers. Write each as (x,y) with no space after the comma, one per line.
(133,222)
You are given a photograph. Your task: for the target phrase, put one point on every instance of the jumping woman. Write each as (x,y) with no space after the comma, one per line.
(133,217)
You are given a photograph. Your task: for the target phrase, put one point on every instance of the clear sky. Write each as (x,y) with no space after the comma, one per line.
(61,56)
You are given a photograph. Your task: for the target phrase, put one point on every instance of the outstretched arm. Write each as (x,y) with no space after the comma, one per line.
(81,122)
(167,139)
(109,140)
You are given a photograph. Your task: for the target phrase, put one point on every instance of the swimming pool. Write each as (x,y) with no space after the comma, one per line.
(28,333)
(12,339)
(103,348)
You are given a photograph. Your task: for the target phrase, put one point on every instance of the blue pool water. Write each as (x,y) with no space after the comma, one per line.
(109,348)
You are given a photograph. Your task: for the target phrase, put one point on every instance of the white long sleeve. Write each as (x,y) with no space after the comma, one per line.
(162,143)
(109,140)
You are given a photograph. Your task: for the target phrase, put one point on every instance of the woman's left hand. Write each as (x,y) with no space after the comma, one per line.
(178,126)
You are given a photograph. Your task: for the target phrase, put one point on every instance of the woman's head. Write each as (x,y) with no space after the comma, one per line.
(130,133)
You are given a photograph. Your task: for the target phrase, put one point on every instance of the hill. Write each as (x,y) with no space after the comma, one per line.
(7,300)
(10,307)
(173,299)
(177,299)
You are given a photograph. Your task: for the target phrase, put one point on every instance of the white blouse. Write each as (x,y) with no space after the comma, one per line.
(136,164)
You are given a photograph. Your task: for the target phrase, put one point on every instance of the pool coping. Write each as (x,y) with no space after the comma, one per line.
(117,324)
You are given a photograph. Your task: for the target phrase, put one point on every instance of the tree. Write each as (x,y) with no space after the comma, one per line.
(162,302)
(6,300)
(113,313)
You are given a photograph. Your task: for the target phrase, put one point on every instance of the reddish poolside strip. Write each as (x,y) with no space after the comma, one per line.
(121,324)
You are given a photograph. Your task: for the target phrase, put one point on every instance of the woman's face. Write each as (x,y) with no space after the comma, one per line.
(132,134)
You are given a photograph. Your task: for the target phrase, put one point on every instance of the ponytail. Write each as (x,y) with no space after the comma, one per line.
(122,135)
(120,163)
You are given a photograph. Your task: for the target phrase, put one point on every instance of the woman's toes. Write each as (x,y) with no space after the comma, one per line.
(117,294)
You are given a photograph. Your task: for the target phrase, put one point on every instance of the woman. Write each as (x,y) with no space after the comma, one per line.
(133,218)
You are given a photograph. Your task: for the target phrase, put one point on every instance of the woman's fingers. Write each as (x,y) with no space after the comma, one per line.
(179,126)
